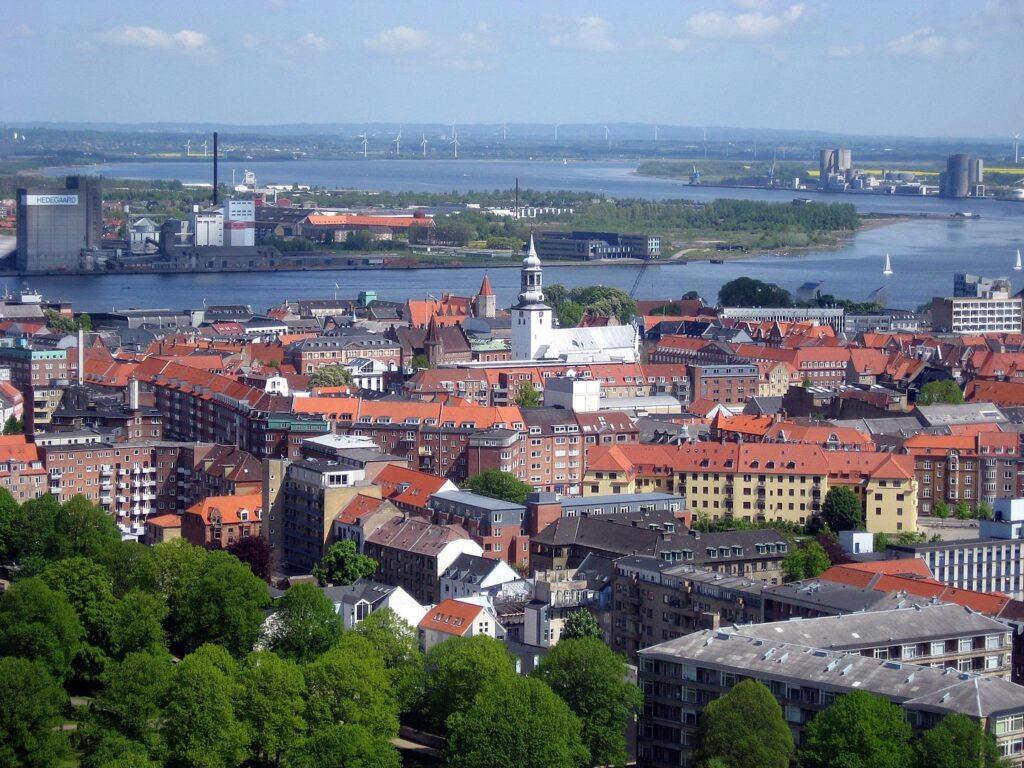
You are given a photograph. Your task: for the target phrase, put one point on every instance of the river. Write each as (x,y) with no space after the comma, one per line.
(925,252)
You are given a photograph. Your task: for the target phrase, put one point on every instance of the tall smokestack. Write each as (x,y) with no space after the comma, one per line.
(81,355)
(215,167)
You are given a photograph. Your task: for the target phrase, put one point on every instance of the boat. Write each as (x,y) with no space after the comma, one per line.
(888,266)
(717,261)
(1017,266)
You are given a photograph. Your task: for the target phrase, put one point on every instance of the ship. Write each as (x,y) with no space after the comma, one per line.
(888,266)
(1017,266)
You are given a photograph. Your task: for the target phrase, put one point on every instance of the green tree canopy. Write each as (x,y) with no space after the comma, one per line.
(131,698)
(842,510)
(343,564)
(456,671)
(941,509)
(255,552)
(271,704)
(350,684)
(984,511)
(397,645)
(515,722)
(85,529)
(570,314)
(581,623)
(346,746)
(945,392)
(498,485)
(306,623)
(30,714)
(224,606)
(200,724)
(805,562)
(963,512)
(958,742)
(331,376)
(138,624)
(39,624)
(527,396)
(592,679)
(748,292)
(858,730)
(745,729)
(598,300)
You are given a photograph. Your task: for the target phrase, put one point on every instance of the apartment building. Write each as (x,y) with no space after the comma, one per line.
(309,354)
(730,385)
(761,482)
(972,468)
(501,528)
(21,469)
(681,676)
(982,564)
(998,313)
(218,522)
(555,460)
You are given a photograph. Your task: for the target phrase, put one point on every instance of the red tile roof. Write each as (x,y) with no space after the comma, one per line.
(453,617)
(229,507)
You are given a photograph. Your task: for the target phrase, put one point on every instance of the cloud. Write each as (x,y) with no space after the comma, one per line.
(464,52)
(715,25)
(155,39)
(399,40)
(590,33)
(677,44)
(927,42)
(314,41)
(845,51)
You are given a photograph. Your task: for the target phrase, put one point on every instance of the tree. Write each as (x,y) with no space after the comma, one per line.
(306,624)
(224,606)
(14,426)
(84,529)
(945,392)
(984,511)
(138,624)
(397,645)
(456,671)
(748,292)
(342,564)
(805,562)
(842,510)
(570,314)
(200,724)
(346,746)
(30,715)
(254,551)
(958,742)
(10,522)
(132,695)
(349,684)
(176,568)
(499,485)
(579,624)
(963,512)
(88,587)
(745,729)
(38,623)
(858,730)
(592,679)
(331,376)
(131,566)
(940,510)
(420,362)
(515,722)
(271,703)
(527,396)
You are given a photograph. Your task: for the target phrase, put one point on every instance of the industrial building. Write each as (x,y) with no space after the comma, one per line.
(56,224)
(589,246)
(964,177)
(834,168)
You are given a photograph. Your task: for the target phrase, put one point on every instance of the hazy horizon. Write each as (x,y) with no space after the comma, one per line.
(874,68)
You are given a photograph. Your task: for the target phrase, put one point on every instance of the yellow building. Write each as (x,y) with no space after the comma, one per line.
(761,482)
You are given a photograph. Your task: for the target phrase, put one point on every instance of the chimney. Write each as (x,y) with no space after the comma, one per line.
(81,355)
(214,167)
(133,395)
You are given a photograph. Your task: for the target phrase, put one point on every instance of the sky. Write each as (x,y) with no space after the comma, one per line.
(897,67)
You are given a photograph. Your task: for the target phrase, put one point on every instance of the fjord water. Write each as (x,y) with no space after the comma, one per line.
(925,252)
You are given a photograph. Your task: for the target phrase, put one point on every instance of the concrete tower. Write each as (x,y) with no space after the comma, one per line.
(531,317)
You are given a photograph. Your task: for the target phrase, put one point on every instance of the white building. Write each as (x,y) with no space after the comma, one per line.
(457,618)
(534,336)
(358,600)
(207,227)
(240,222)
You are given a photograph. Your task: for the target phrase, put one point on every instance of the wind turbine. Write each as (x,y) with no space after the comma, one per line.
(556,131)
(606,133)
(504,131)
(655,133)
(398,142)
(188,147)
(204,147)
(1016,148)
(365,143)
(455,142)
(423,143)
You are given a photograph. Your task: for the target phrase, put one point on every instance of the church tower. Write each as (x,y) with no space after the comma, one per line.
(486,303)
(531,317)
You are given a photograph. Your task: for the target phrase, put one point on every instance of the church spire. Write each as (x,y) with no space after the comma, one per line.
(531,278)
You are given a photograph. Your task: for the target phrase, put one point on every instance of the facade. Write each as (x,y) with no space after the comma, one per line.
(413,554)
(679,677)
(472,576)
(457,618)
(499,527)
(21,470)
(217,522)
(983,565)
(998,314)
(56,225)
(730,385)
(832,317)
(358,600)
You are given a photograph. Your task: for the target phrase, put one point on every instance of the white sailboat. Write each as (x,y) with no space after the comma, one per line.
(888,266)
(1017,267)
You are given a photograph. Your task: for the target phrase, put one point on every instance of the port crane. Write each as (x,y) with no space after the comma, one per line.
(695,176)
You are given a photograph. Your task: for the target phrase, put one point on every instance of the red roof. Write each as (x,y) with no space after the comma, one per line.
(169,520)
(360,506)
(229,507)
(485,287)
(348,220)
(453,617)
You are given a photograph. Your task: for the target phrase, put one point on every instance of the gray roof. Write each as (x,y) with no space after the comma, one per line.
(879,628)
(471,569)
(967,413)
(915,687)
(572,502)
(840,598)
(469,499)
(363,589)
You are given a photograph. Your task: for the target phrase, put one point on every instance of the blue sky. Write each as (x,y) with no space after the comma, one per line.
(929,68)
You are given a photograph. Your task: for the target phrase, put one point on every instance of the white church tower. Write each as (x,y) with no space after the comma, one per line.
(531,317)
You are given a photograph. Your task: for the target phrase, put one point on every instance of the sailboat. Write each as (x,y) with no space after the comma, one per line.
(1017,267)
(888,266)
